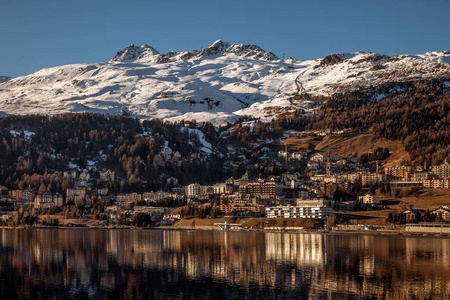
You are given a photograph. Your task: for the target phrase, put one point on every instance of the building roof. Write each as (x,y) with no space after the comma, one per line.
(245,176)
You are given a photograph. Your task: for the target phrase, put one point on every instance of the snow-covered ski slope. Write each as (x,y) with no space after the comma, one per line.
(217,84)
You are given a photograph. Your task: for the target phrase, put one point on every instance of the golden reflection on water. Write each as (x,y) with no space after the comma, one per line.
(314,266)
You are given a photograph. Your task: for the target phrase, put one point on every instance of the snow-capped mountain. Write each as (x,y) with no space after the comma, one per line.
(217,84)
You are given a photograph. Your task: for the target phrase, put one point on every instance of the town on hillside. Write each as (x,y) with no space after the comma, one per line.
(332,188)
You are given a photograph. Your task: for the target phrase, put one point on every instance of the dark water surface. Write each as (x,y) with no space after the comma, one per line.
(127,264)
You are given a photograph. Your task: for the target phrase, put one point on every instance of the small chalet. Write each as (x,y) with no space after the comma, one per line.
(411,215)
(441,214)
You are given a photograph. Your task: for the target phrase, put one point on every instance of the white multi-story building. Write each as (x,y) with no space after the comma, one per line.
(309,209)
(223,188)
(193,189)
(155,196)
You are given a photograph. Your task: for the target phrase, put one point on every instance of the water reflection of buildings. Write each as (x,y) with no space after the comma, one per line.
(296,249)
(433,250)
(329,265)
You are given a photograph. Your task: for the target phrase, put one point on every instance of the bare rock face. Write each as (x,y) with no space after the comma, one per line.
(133,52)
(215,49)
(186,55)
(373,58)
(330,60)
(377,67)
(252,51)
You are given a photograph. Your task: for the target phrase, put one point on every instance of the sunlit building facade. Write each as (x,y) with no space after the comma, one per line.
(305,211)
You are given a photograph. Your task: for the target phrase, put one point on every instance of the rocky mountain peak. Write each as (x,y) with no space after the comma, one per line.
(133,52)
(220,47)
(252,51)
(215,49)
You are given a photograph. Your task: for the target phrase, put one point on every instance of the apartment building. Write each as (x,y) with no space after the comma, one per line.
(48,200)
(371,178)
(443,171)
(398,171)
(271,188)
(193,189)
(436,183)
(304,209)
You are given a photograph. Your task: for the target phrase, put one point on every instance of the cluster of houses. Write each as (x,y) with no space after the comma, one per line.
(291,195)
(441,214)
(437,177)
(337,169)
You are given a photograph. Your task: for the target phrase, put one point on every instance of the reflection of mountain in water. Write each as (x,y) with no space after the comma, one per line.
(154,264)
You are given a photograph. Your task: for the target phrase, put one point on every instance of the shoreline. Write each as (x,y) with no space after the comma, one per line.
(306,231)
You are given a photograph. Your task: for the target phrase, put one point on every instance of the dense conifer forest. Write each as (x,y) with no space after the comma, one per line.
(32,148)
(418,115)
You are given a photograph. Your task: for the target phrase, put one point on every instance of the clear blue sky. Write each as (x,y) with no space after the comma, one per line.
(36,34)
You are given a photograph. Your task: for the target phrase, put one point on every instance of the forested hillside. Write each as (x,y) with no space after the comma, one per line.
(33,147)
(418,115)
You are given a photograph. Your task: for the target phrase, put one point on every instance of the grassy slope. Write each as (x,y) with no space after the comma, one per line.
(361,144)
(423,199)
(353,146)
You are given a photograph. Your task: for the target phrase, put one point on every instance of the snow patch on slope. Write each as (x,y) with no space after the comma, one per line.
(206,146)
(24,133)
(217,84)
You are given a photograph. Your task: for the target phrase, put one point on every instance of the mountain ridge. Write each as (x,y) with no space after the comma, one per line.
(219,83)
(148,54)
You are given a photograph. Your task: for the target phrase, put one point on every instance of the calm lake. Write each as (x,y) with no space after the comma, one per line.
(153,264)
